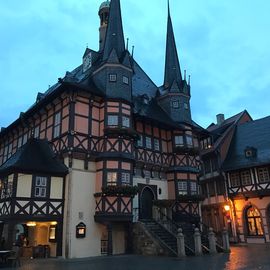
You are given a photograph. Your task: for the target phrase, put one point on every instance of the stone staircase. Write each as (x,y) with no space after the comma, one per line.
(166,238)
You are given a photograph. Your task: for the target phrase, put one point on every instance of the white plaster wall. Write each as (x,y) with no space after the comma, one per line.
(56,188)
(80,187)
(24,185)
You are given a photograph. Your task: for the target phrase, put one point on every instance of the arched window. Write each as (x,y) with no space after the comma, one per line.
(254,222)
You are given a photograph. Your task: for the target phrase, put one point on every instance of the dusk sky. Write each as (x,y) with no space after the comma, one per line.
(223,44)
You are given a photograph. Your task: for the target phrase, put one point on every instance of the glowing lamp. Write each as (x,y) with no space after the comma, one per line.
(31,224)
(226,207)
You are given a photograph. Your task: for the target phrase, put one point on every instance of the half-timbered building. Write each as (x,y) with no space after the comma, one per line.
(214,149)
(125,141)
(247,167)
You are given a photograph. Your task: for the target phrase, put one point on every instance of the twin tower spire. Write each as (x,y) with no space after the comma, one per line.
(115,40)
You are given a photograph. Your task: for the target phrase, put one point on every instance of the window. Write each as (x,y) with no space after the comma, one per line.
(206,143)
(189,140)
(10,186)
(211,189)
(24,139)
(9,150)
(175,104)
(214,163)
(36,132)
(179,140)
(182,188)
(111,179)
(263,175)
(193,188)
(125,80)
(147,174)
(112,120)
(125,121)
(156,144)
(57,125)
(235,180)
(125,178)
(245,178)
(186,106)
(220,187)
(140,141)
(112,77)
(20,141)
(254,222)
(148,142)
(40,186)
(5,153)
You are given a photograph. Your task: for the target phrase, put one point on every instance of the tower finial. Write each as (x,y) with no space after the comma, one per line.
(127,44)
(132,51)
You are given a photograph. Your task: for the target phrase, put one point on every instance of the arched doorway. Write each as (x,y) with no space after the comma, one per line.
(146,203)
(254,222)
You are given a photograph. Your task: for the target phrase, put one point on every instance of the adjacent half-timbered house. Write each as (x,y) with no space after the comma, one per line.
(127,143)
(247,168)
(214,149)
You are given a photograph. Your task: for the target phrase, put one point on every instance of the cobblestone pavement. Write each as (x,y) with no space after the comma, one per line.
(242,257)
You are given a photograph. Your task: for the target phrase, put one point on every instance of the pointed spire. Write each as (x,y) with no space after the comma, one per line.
(114,36)
(172,66)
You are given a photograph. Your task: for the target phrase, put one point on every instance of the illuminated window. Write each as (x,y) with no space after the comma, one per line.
(235,179)
(156,144)
(111,179)
(182,187)
(148,142)
(40,186)
(112,120)
(179,140)
(125,178)
(245,178)
(254,222)
(263,174)
(125,121)
(112,77)
(57,125)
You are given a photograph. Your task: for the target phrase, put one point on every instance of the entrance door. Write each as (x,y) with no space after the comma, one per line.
(146,203)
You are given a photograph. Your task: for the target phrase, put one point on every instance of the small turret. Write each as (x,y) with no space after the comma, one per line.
(104,16)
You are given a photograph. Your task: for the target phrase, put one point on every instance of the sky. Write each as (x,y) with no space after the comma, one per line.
(223,44)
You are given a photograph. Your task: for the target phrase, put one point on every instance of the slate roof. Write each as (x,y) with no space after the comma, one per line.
(36,156)
(254,134)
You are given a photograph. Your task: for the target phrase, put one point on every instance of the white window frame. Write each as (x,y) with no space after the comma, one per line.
(111,178)
(125,178)
(175,104)
(156,144)
(140,141)
(113,120)
(235,179)
(263,175)
(112,77)
(179,140)
(125,80)
(246,178)
(193,188)
(125,121)
(41,183)
(57,125)
(182,188)
(148,142)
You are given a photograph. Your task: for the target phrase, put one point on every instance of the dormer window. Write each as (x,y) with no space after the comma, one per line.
(112,77)
(125,121)
(125,80)
(250,152)
(175,104)
(87,62)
